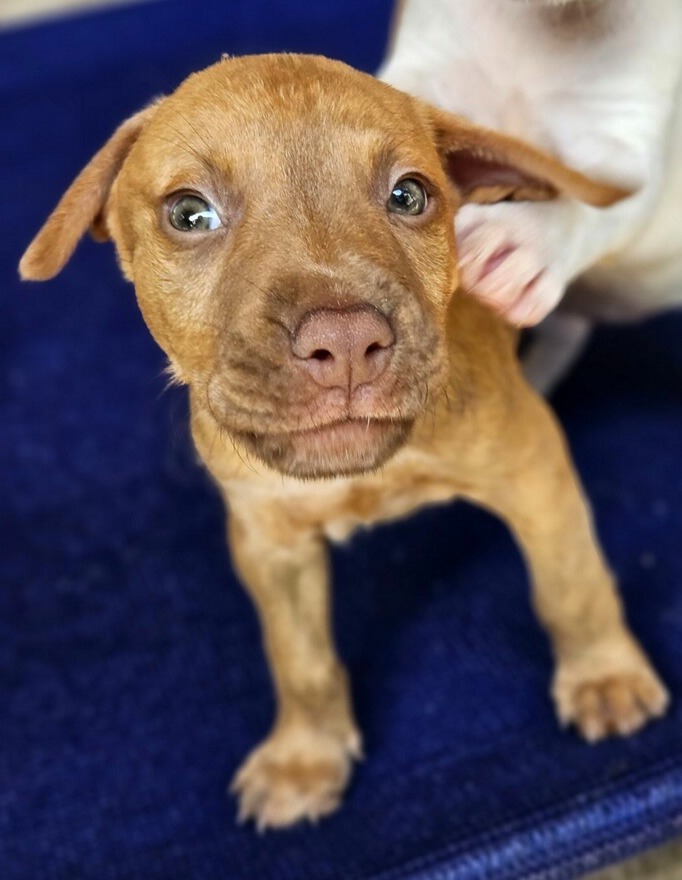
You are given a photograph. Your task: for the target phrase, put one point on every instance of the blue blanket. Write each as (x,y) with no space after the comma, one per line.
(132,681)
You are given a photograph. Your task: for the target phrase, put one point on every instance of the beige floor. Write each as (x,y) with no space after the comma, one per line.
(662,864)
(17,12)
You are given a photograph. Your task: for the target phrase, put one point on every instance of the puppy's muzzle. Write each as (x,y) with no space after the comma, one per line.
(344,348)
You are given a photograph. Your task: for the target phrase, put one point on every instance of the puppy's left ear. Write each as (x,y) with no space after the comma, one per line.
(82,205)
(486,166)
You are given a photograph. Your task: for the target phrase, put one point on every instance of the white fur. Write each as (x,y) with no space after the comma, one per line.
(595,82)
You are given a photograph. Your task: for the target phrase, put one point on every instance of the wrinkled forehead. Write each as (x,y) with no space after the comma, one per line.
(286,117)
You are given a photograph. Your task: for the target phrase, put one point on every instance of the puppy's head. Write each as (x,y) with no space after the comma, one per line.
(288,225)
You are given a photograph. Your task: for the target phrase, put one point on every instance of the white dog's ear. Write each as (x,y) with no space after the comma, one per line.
(80,208)
(486,166)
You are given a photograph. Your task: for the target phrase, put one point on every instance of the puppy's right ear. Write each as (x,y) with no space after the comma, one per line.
(81,206)
(486,166)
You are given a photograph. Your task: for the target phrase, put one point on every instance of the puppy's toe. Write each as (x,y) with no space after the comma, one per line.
(292,777)
(612,702)
(614,707)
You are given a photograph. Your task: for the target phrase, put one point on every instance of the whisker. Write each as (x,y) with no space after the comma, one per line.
(222,431)
(196,132)
(186,147)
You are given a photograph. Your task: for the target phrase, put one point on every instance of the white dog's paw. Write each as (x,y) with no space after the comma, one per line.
(505,264)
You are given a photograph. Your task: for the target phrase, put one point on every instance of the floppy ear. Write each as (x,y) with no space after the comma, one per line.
(486,166)
(81,206)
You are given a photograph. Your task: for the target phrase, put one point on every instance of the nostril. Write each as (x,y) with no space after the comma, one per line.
(321,354)
(375,346)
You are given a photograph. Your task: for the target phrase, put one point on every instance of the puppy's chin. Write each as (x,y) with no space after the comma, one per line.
(340,449)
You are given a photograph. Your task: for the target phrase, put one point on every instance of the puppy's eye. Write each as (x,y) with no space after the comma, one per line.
(408,197)
(193,214)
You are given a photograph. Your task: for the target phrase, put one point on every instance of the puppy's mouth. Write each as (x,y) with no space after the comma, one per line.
(340,448)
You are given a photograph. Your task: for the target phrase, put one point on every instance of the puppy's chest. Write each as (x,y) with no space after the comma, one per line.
(386,496)
(339,507)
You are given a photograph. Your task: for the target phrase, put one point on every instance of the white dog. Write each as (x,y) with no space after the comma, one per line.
(596,82)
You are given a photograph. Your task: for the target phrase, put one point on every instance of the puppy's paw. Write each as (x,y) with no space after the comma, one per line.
(296,774)
(609,690)
(506,266)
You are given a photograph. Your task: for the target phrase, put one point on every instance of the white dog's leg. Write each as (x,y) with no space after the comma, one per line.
(556,345)
(599,89)
(520,257)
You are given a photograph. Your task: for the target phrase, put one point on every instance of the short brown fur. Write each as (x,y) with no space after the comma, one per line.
(298,155)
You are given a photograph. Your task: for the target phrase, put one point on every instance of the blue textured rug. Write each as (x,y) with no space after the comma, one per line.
(132,681)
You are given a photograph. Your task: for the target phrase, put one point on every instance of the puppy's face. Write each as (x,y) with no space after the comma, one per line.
(288,225)
(289,232)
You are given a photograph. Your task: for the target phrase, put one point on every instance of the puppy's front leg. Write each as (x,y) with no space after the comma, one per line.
(301,769)
(604,683)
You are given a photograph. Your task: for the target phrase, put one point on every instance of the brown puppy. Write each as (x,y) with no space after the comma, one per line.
(288,225)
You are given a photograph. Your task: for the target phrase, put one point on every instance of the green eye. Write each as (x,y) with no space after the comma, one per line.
(193,214)
(407,197)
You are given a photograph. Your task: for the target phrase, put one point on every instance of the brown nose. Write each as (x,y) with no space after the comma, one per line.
(344,348)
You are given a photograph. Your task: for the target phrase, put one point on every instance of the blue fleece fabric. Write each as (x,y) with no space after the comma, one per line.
(132,681)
